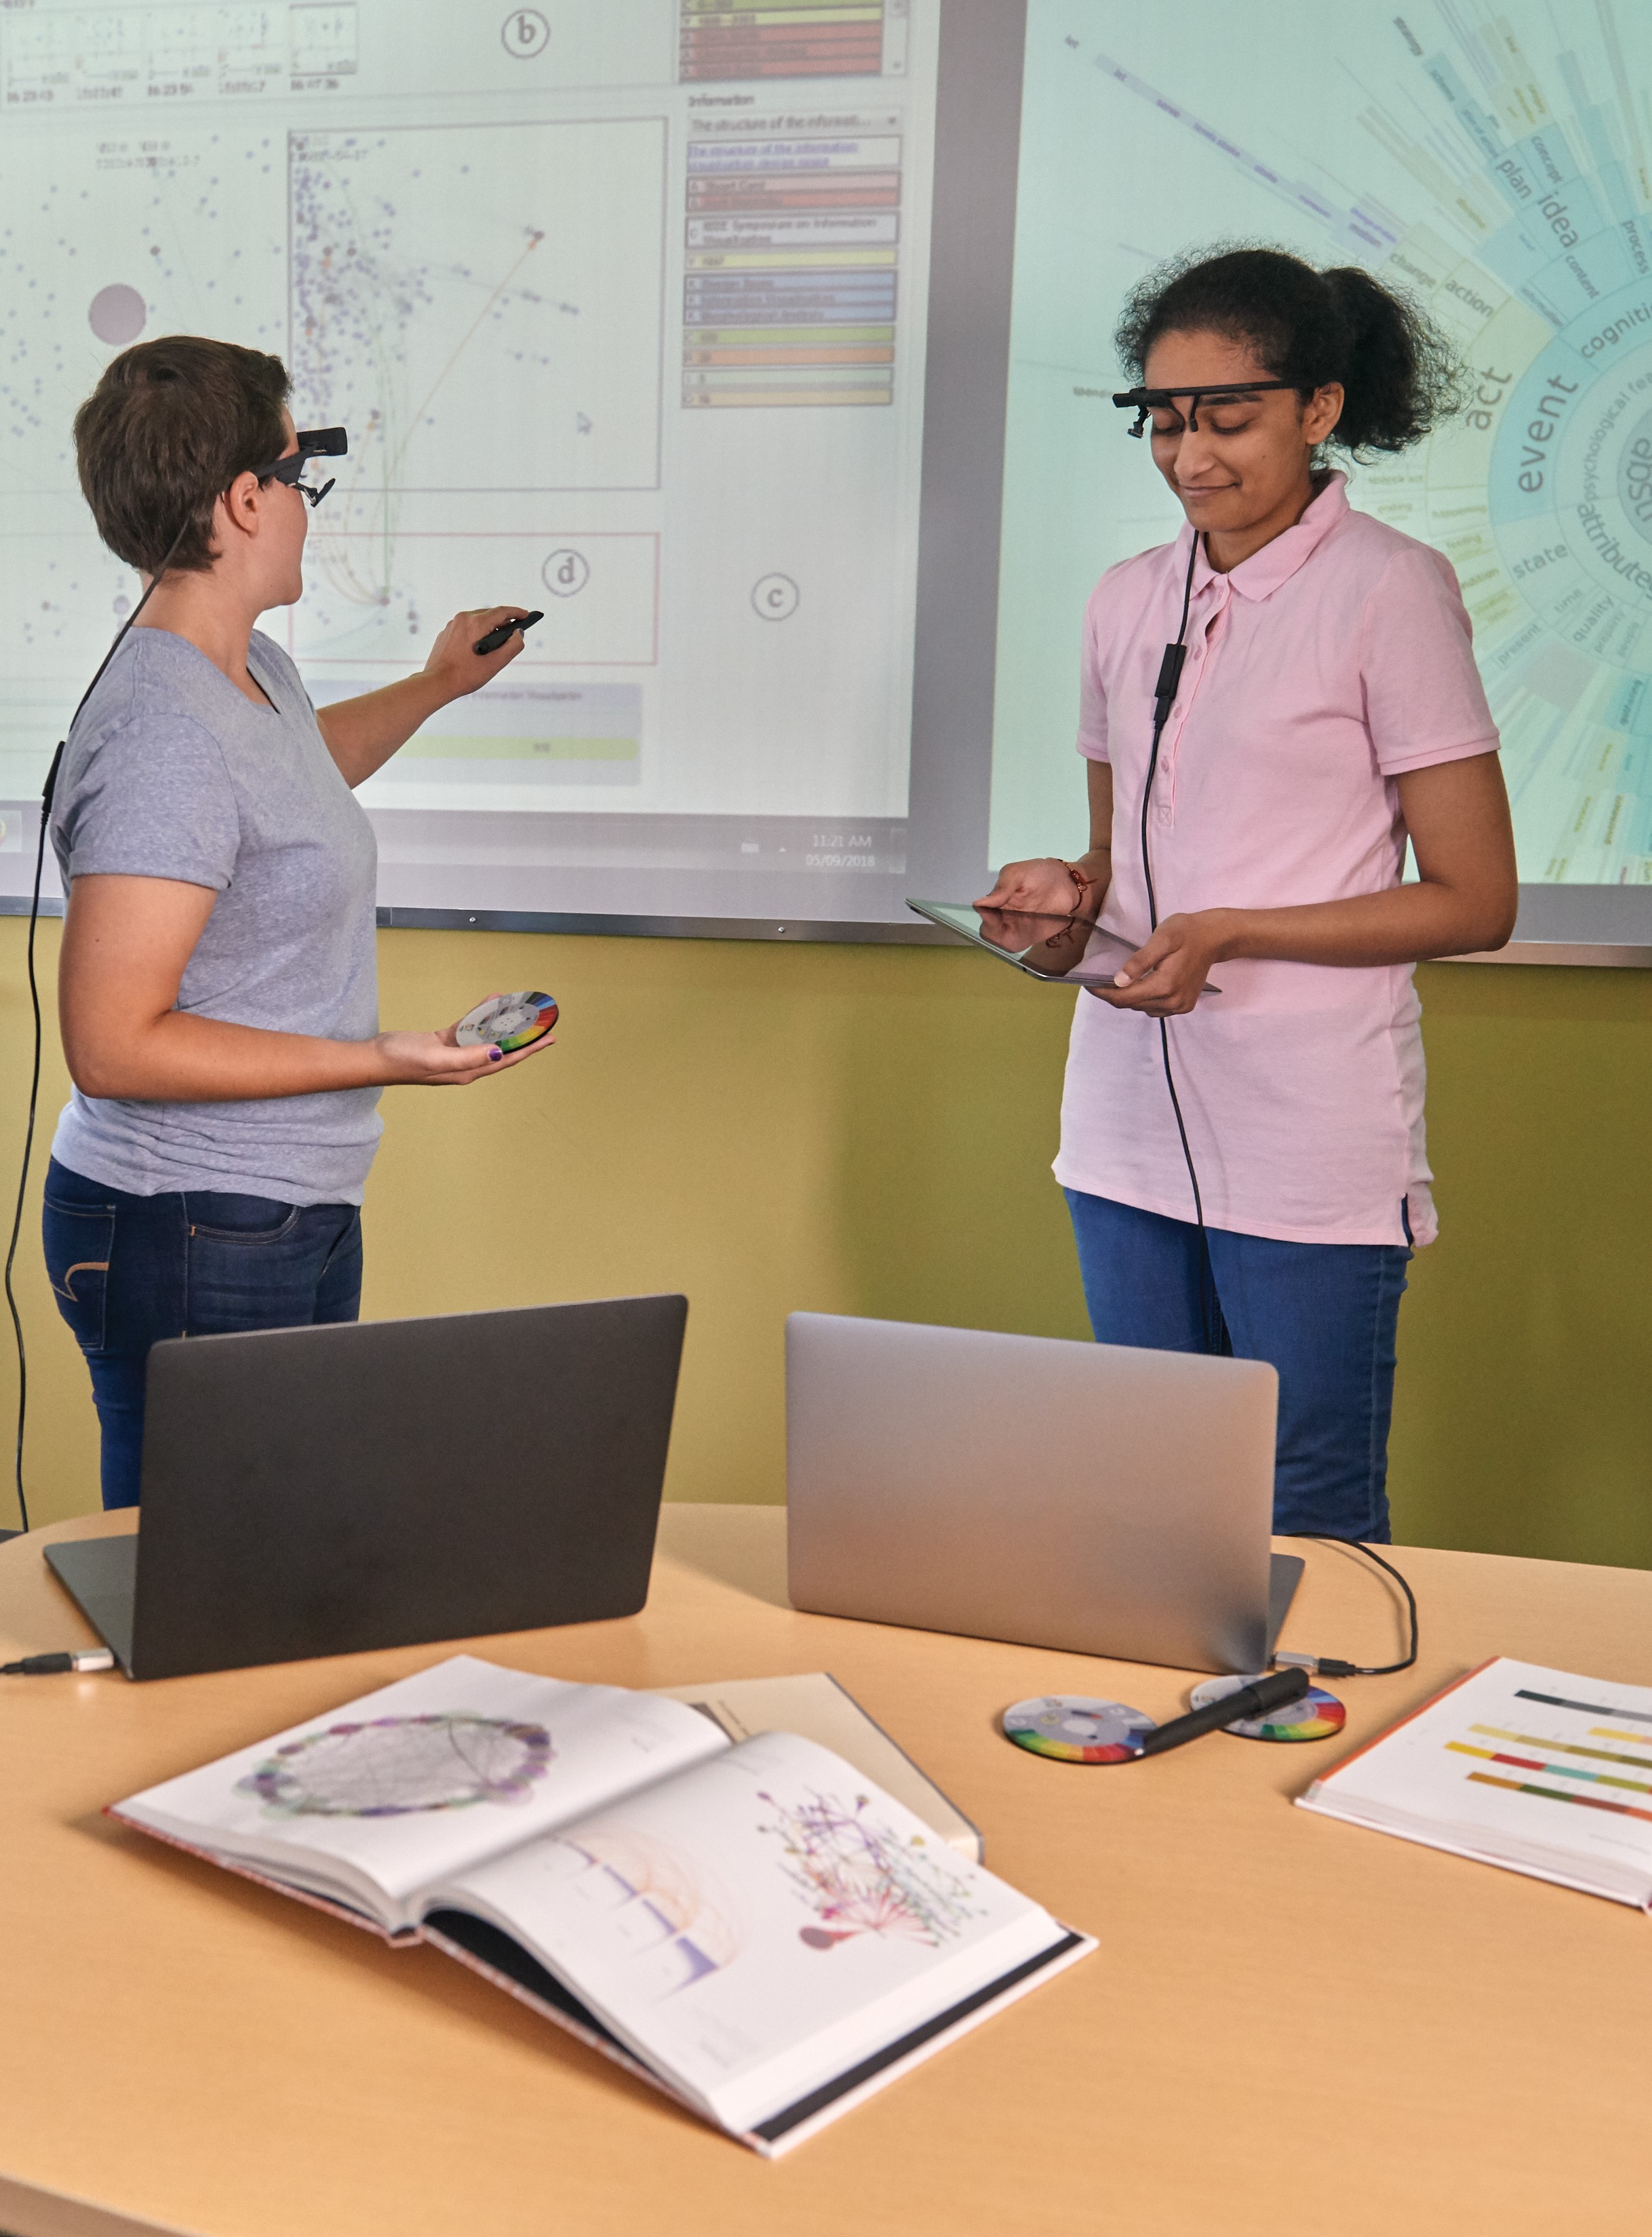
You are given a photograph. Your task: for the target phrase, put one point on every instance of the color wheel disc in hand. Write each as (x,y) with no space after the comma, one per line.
(509,1022)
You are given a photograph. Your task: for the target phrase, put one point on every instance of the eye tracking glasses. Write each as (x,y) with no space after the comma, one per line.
(1142,401)
(312,443)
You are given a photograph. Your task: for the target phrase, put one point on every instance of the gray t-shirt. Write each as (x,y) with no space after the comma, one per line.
(172,772)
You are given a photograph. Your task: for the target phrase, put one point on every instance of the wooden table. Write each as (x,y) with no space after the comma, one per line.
(1291,2026)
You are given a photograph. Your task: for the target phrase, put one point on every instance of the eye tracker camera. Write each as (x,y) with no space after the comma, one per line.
(1141,401)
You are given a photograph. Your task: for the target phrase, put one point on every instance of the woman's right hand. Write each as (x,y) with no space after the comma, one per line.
(1045,886)
(437,1060)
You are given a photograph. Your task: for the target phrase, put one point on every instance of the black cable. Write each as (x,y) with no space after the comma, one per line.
(46,795)
(1327,1666)
(28,1148)
(1165,691)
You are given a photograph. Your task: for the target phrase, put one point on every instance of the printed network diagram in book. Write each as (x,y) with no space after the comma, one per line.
(1494,164)
(858,1876)
(394,1766)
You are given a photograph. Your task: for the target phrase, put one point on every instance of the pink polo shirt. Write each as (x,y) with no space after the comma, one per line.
(1318,671)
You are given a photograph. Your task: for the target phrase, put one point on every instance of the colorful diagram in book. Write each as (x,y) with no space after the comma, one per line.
(1494,165)
(654,1909)
(859,1875)
(1590,1772)
(393,1766)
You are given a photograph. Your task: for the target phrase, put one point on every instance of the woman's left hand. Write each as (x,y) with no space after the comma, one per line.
(456,665)
(1165,977)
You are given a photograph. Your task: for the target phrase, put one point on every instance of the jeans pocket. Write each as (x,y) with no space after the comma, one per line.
(219,1218)
(79,1242)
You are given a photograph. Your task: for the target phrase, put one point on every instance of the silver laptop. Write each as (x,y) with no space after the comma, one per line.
(1076,1496)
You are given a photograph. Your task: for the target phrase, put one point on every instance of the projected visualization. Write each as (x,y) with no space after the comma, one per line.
(1496,164)
(622,305)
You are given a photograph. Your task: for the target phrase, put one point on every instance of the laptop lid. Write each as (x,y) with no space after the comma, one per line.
(1074,1495)
(383,1483)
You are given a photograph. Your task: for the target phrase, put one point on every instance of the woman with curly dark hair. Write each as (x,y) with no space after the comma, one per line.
(1252,1180)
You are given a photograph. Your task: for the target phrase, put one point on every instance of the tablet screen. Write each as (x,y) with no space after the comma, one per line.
(1067,948)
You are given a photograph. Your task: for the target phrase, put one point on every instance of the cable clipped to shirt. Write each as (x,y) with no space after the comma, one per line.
(1164,698)
(48,791)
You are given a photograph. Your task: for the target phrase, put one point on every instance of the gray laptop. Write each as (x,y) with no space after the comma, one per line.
(1076,1496)
(325,1490)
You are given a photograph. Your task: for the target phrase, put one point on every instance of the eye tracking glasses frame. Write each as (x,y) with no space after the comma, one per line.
(312,443)
(1141,401)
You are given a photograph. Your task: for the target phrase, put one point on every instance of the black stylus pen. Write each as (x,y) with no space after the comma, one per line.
(496,637)
(1250,1701)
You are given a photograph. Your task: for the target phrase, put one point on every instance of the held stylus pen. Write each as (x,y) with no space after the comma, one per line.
(496,637)
(1250,1701)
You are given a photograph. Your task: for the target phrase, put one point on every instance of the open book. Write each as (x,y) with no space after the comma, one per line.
(1514,1764)
(754,1927)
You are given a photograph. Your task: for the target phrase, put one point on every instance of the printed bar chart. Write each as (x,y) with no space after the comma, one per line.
(780,38)
(790,272)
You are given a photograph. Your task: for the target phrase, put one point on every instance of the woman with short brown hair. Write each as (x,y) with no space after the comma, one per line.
(218,985)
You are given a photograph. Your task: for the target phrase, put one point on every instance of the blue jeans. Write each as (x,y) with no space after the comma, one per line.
(1323,1314)
(127,1271)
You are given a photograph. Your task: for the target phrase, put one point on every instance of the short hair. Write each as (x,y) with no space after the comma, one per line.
(1399,374)
(162,436)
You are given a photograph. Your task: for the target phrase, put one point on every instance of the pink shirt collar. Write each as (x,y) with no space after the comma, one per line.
(1260,576)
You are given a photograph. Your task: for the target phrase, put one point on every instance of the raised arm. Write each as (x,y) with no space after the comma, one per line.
(362,734)
(125,943)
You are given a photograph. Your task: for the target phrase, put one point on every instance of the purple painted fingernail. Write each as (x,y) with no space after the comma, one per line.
(494,1054)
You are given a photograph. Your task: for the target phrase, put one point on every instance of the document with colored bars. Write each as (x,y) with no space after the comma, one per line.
(591,287)
(792,244)
(1540,1771)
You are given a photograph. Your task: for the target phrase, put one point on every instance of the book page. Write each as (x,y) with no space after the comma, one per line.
(755,1927)
(1522,1761)
(815,1706)
(424,1777)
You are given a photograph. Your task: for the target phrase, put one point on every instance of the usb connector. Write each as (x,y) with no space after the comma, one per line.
(56,1665)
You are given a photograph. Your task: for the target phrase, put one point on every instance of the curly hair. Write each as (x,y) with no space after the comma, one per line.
(1399,374)
(165,433)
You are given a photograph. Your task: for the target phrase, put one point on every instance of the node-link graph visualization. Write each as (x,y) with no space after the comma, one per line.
(481,306)
(396,1766)
(858,1876)
(473,238)
(1498,165)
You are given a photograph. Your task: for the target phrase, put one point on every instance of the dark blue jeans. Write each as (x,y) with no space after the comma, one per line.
(127,1271)
(1323,1314)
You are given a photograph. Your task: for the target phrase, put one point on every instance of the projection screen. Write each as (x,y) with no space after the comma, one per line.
(767,348)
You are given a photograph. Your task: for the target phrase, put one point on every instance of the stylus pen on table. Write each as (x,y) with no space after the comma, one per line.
(1253,1700)
(54,1665)
(496,637)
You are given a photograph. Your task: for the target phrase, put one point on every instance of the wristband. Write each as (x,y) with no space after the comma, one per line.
(1079,879)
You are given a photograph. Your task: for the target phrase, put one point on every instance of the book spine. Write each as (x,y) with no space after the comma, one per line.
(402,1937)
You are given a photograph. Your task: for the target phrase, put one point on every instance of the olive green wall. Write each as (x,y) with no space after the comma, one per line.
(868,1130)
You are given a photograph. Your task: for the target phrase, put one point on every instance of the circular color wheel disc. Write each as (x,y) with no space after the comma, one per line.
(509,1022)
(1317,1716)
(1074,1728)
